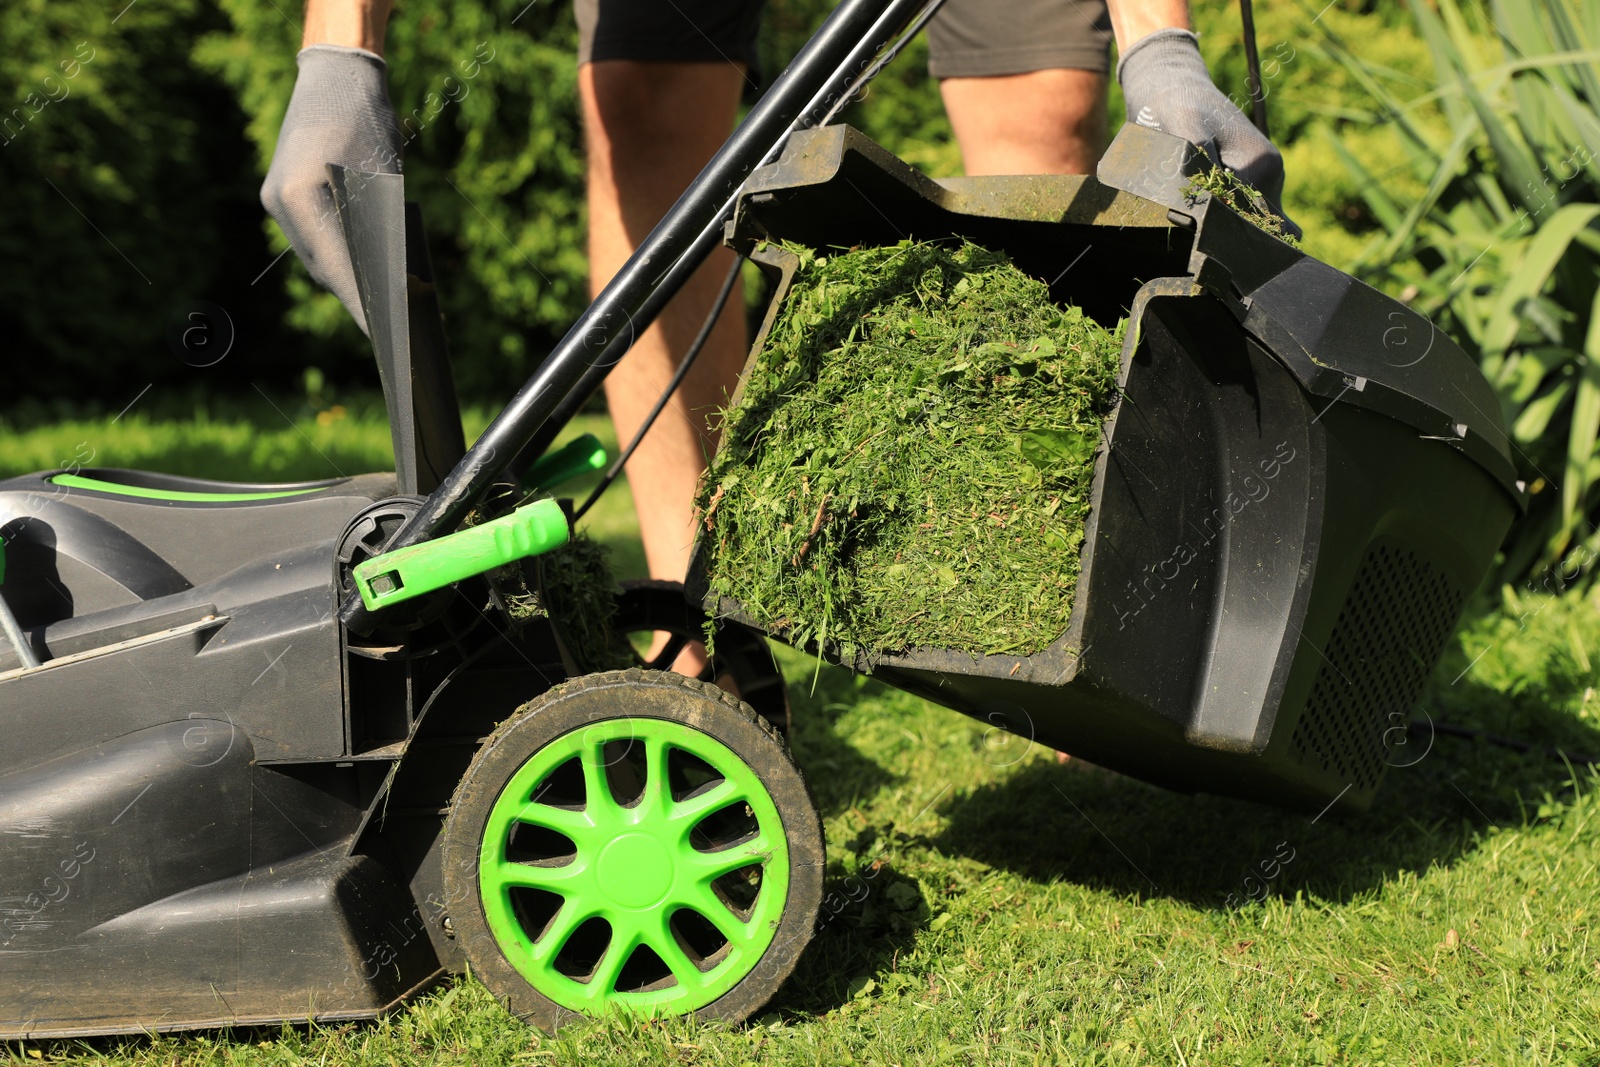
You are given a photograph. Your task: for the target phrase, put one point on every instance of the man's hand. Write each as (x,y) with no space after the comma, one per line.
(1166,86)
(339,113)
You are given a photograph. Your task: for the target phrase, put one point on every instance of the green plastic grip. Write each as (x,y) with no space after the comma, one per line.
(410,572)
(578,456)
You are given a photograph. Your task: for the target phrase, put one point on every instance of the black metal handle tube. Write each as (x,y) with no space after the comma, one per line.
(818,75)
(13,633)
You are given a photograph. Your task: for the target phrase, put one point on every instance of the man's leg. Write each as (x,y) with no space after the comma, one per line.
(650,128)
(1041,122)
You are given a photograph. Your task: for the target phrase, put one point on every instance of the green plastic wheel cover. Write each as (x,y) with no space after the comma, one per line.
(635,867)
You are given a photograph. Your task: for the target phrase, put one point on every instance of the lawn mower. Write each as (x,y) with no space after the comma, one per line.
(285,753)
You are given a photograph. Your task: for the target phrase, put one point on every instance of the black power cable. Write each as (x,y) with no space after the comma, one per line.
(672,387)
(1252,59)
(1467,733)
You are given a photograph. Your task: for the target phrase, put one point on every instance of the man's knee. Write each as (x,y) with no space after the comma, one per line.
(1036,122)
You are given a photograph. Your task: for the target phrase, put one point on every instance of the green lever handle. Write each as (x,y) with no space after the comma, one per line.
(410,572)
(578,456)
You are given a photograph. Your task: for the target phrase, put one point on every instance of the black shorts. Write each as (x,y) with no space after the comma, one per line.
(966,39)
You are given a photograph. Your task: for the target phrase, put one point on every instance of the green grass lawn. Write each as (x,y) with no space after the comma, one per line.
(1012,910)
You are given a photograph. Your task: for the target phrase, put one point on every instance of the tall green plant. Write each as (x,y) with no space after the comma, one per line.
(1503,246)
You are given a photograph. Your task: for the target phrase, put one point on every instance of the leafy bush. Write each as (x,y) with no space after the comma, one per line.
(166,133)
(126,181)
(1501,245)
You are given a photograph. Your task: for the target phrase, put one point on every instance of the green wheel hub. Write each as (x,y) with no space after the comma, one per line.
(658,902)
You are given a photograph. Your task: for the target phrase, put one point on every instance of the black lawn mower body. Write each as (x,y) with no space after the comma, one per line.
(187,784)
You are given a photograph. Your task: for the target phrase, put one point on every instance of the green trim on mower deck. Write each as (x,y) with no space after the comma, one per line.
(635,868)
(78,481)
(409,572)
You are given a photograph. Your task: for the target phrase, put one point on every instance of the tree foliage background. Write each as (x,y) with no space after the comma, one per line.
(137,190)
(127,186)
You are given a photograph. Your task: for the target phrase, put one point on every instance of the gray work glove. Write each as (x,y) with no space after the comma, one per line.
(339,113)
(1166,86)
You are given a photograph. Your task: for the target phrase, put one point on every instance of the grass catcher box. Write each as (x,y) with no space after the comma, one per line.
(1299,483)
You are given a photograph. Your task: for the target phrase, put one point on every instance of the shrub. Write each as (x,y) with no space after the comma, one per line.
(167,131)
(125,171)
(1501,245)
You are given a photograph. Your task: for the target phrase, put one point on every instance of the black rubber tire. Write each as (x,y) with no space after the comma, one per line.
(741,652)
(631,694)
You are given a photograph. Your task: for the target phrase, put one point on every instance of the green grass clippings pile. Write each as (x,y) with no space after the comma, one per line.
(909,462)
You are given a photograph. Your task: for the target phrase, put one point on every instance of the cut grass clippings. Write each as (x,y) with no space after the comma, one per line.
(1245,199)
(909,462)
(576,586)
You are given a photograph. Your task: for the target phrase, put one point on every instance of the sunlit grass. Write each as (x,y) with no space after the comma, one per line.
(1011,910)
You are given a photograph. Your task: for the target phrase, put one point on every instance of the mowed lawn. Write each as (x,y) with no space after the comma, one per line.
(993,906)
